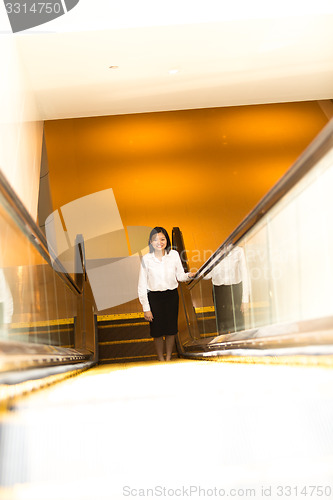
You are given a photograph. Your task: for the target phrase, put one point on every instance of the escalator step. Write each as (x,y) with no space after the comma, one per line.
(125,338)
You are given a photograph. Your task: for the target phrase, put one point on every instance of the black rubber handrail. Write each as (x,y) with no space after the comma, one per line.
(307,160)
(23,219)
(179,245)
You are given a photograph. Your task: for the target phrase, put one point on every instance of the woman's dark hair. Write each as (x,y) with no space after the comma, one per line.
(157,230)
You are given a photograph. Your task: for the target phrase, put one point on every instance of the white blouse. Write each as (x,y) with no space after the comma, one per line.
(232,270)
(159,275)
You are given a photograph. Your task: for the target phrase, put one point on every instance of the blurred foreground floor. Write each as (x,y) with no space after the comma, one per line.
(189,429)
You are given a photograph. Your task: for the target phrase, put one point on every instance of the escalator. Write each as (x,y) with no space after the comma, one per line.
(48,320)
(241,427)
(285,267)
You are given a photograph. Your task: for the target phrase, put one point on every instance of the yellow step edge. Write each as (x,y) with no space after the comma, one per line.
(323,361)
(10,392)
(129,357)
(200,310)
(50,322)
(100,327)
(134,341)
(40,332)
(113,317)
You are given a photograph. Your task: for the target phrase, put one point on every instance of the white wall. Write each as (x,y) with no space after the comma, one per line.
(21,129)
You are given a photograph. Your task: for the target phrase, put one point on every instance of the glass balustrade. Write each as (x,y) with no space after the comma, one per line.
(276,270)
(36,306)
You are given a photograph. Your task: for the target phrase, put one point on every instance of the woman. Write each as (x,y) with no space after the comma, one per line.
(161,269)
(231,291)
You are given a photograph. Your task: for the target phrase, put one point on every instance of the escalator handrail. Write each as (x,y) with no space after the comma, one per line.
(179,245)
(19,213)
(322,143)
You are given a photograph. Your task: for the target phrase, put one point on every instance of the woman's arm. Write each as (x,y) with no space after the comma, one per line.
(180,273)
(143,293)
(143,288)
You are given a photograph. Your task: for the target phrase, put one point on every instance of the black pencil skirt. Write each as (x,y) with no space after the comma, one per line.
(164,307)
(228,301)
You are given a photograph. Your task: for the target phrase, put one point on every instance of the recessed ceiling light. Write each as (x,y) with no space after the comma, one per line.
(173,71)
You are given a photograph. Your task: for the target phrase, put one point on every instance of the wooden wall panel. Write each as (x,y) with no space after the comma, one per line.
(202,170)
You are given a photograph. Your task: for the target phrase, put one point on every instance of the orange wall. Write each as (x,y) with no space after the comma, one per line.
(202,170)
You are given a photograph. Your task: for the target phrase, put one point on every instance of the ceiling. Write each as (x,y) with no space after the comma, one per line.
(246,55)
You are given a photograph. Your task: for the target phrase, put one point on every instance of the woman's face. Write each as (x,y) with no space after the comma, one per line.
(158,242)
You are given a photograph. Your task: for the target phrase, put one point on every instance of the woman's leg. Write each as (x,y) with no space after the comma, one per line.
(159,347)
(170,342)
(223,308)
(237,293)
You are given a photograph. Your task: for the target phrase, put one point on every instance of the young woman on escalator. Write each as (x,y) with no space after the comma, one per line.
(161,269)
